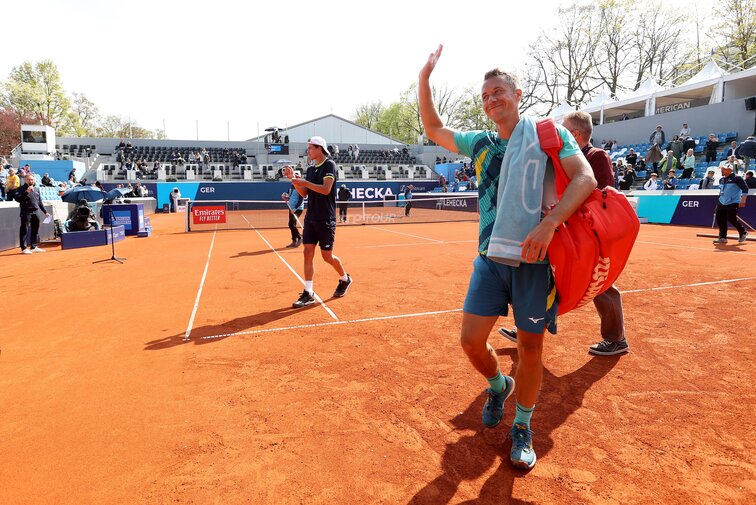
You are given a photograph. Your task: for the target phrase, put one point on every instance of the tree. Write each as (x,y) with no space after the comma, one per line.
(393,123)
(470,112)
(737,31)
(368,114)
(10,130)
(84,114)
(659,44)
(562,60)
(117,127)
(36,90)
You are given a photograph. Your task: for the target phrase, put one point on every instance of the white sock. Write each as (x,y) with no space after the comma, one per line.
(308,286)
(344,278)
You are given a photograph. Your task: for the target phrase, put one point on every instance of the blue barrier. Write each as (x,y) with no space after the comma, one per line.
(78,239)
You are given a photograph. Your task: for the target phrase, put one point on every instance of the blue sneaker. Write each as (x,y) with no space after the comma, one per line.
(522,455)
(493,409)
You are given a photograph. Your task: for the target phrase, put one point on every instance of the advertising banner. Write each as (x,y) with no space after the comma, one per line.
(210,214)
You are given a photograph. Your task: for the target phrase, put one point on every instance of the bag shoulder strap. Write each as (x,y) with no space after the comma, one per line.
(551,143)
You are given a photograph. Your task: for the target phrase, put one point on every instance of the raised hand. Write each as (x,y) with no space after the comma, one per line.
(427,69)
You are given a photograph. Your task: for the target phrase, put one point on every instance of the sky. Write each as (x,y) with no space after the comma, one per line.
(219,70)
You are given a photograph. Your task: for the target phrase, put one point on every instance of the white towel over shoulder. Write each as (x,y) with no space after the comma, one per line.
(520,193)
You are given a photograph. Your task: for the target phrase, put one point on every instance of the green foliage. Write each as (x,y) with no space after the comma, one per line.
(36,90)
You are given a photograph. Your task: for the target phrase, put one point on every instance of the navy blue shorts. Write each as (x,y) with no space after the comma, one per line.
(529,288)
(319,232)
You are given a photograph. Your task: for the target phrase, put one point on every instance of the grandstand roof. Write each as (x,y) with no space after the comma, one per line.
(706,87)
(335,130)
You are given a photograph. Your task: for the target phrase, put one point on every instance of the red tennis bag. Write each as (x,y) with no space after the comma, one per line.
(590,249)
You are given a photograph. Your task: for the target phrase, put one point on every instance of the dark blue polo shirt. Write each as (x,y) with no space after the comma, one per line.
(321,207)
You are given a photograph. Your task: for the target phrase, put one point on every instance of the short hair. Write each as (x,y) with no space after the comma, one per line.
(511,78)
(750,172)
(581,120)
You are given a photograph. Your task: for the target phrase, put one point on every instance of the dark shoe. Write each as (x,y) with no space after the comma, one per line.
(509,334)
(304,300)
(493,409)
(298,242)
(742,238)
(720,240)
(522,455)
(607,348)
(343,287)
(292,245)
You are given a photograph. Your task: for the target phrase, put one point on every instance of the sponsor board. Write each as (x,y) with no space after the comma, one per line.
(210,214)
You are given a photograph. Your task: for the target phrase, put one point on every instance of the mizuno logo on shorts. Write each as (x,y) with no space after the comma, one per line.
(535,321)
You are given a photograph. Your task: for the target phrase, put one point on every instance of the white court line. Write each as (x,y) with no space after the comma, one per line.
(407,234)
(320,301)
(660,288)
(332,323)
(416,243)
(710,249)
(199,292)
(422,314)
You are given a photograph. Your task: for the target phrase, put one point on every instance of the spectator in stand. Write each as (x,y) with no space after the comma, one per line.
(22,173)
(747,151)
(657,137)
(356,152)
(654,156)
(668,163)
(708,181)
(750,180)
(652,183)
(688,164)
(139,191)
(640,164)
(627,179)
(46,181)
(676,146)
(684,131)
(733,193)
(12,183)
(121,145)
(712,144)
(442,182)
(730,151)
(670,182)
(734,162)
(3,178)
(631,158)
(688,143)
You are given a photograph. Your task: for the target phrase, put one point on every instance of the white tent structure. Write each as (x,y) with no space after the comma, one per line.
(600,101)
(561,110)
(706,87)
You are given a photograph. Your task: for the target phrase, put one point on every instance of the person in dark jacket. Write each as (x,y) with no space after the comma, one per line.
(30,204)
(343,197)
(711,148)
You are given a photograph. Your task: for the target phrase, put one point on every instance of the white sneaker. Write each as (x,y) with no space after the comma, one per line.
(37,249)
(26,251)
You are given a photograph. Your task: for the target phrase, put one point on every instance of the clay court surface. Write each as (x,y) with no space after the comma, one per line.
(103,400)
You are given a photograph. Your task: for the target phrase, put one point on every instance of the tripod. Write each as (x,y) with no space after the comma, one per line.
(112,241)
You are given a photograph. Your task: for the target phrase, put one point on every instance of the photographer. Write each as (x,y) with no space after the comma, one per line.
(82,218)
(30,203)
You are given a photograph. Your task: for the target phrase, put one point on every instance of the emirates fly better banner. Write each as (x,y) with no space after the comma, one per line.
(209,215)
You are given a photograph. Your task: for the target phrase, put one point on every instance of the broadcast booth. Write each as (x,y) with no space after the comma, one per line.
(37,140)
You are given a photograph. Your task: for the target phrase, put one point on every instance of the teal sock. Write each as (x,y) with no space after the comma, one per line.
(523,414)
(498,382)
